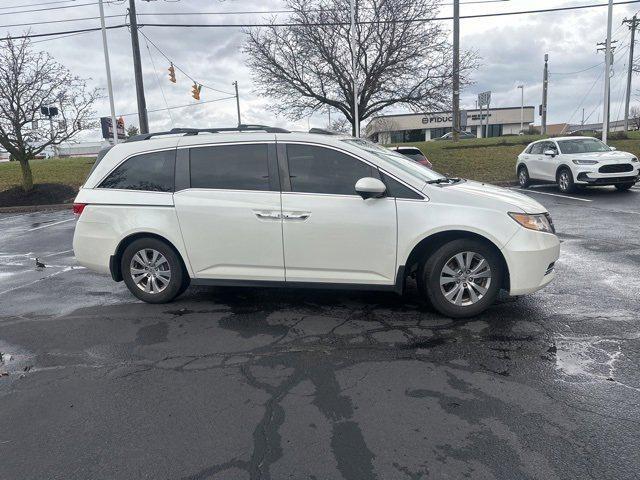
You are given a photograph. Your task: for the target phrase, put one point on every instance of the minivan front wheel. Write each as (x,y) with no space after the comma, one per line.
(462,278)
(152,271)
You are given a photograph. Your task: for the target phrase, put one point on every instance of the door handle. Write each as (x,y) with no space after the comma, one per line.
(296,215)
(268,215)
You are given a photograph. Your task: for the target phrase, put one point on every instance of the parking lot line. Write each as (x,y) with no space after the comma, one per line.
(552,194)
(51,224)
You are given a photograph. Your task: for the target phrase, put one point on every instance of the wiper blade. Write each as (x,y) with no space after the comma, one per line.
(444,180)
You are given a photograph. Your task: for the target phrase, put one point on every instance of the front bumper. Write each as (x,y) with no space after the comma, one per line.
(530,258)
(589,175)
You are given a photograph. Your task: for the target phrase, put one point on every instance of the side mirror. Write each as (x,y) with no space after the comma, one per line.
(550,152)
(369,187)
(613,149)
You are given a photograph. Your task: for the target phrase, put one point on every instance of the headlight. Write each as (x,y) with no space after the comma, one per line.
(540,221)
(634,159)
(585,162)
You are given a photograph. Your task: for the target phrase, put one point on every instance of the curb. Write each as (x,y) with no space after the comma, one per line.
(36,208)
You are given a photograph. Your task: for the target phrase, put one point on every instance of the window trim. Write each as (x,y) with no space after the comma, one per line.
(283,164)
(272,165)
(99,183)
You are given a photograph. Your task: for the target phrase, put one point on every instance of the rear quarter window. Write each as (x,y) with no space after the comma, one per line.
(147,172)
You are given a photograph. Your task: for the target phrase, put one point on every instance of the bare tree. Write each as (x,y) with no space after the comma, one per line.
(28,81)
(634,116)
(339,125)
(402,58)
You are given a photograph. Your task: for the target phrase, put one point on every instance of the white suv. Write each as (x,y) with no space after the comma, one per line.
(263,206)
(576,161)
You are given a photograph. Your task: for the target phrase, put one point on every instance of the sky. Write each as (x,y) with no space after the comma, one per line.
(511,51)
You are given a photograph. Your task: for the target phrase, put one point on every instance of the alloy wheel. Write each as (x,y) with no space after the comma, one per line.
(150,271)
(564,181)
(523,177)
(465,278)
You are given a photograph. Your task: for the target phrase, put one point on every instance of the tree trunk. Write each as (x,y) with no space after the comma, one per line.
(27,176)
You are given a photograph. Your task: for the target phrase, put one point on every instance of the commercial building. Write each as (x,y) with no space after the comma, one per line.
(418,127)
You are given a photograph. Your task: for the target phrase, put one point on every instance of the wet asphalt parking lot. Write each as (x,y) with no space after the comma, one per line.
(230,383)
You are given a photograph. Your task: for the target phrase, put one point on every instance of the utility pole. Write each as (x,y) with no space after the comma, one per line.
(137,69)
(356,116)
(235,84)
(521,87)
(607,75)
(545,86)
(633,24)
(456,70)
(108,67)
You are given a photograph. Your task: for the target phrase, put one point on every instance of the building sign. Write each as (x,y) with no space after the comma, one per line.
(437,119)
(107,131)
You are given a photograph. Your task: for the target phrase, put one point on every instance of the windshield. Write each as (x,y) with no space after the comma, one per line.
(396,159)
(583,145)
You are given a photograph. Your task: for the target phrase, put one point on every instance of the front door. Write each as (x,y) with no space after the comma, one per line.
(549,163)
(330,233)
(230,215)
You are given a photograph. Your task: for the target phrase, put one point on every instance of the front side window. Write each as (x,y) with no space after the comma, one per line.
(395,159)
(322,170)
(230,167)
(148,171)
(536,148)
(583,145)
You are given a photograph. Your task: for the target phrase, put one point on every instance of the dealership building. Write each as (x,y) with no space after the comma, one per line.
(418,127)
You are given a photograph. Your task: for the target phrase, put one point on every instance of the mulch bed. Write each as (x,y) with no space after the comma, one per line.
(42,194)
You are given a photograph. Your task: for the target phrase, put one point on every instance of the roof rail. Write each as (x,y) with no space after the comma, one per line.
(324,131)
(196,131)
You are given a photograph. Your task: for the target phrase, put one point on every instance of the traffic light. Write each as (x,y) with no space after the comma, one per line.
(195,91)
(172,74)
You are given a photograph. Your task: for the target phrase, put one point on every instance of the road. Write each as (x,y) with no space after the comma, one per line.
(230,383)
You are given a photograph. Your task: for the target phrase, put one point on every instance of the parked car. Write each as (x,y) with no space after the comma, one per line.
(462,136)
(576,161)
(260,206)
(414,153)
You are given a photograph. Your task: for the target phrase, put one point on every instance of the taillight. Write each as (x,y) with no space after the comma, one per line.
(78,208)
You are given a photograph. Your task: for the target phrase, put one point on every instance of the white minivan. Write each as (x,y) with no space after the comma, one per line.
(261,206)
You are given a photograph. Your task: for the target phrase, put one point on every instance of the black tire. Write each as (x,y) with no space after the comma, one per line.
(523,177)
(623,187)
(432,269)
(175,284)
(565,181)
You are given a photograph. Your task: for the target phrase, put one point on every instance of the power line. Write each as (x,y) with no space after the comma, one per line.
(75,5)
(227,25)
(180,69)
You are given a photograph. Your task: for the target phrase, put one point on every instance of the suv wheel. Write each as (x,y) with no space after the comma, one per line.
(152,271)
(622,187)
(523,177)
(565,181)
(462,278)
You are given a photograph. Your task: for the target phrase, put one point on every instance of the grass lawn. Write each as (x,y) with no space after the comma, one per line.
(66,171)
(493,159)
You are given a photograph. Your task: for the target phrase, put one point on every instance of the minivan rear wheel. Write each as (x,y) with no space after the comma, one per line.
(462,278)
(152,271)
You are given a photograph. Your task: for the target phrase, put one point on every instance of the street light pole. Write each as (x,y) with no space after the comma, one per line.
(607,75)
(356,119)
(114,124)
(235,84)
(521,87)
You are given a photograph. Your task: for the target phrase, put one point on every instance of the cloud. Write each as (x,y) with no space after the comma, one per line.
(511,47)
